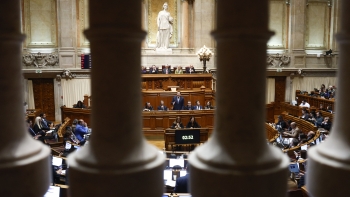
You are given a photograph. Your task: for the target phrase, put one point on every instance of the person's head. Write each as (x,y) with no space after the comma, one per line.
(42,115)
(318,114)
(280,118)
(198,103)
(154,66)
(178,119)
(30,123)
(148,104)
(295,142)
(192,119)
(311,134)
(80,104)
(189,103)
(161,102)
(293,125)
(178,93)
(165,6)
(304,111)
(303,102)
(142,67)
(321,106)
(38,121)
(329,107)
(208,103)
(75,121)
(191,66)
(323,86)
(326,119)
(80,121)
(303,154)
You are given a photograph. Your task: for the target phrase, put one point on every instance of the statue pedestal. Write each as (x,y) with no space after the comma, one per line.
(164,51)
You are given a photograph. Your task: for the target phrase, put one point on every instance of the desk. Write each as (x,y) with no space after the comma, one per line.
(169,140)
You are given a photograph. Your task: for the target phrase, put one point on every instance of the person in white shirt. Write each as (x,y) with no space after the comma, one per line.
(304,104)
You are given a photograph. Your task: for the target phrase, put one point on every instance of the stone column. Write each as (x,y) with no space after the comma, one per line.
(67,28)
(117,159)
(330,160)
(185,24)
(297,29)
(236,161)
(24,162)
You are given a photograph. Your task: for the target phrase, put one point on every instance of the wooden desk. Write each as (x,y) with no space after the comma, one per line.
(169,139)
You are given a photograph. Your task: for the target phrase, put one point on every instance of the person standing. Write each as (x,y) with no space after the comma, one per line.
(178,101)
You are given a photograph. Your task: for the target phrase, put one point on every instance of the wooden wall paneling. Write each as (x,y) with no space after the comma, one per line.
(280,92)
(44,97)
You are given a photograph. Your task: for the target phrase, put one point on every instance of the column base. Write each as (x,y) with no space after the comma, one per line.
(326,175)
(141,179)
(27,176)
(225,180)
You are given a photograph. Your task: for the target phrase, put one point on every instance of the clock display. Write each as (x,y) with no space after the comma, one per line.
(187,136)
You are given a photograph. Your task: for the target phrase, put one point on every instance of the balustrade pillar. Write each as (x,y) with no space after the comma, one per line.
(185,23)
(117,161)
(236,161)
(328,167)
(24,162)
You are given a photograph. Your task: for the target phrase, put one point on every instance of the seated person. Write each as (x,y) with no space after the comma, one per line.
(188,106)
(39,129)
(162,107)
(190,69)
(193,123)
(181,185)
(166,70)
(294,143)
(143,70)
(310,135)
(312,118)
(304,104)
(329,109)
(80,130)
(148,107)
(179,70)
(30,129)
(302,139)
(208,106)
(294,133)
(79,105)
(289,125)
(177,124)
(197,106)
(322,108)
(318,119)
(305,114)
(153,70)
(326,124)
(281,125)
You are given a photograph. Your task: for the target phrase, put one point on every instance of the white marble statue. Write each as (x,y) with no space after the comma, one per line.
(165,28)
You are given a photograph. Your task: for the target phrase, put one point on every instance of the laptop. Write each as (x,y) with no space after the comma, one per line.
(294,168)
(56,161)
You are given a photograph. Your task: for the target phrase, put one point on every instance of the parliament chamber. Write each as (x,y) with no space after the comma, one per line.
(106,66)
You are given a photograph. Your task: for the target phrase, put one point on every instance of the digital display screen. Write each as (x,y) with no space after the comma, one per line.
(187,136)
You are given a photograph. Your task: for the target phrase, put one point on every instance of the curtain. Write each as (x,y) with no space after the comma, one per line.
(74,90)
(309,83)
(270,87)
(31,104)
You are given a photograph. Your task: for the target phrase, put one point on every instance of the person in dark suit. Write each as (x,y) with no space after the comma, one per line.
(189,106)
(178,101)
(181,185)
(190,69)
(143,70)
(305,114)
(166,70)
(193,123)
(148,107)
(198,106)
(162,107)
(153,70)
